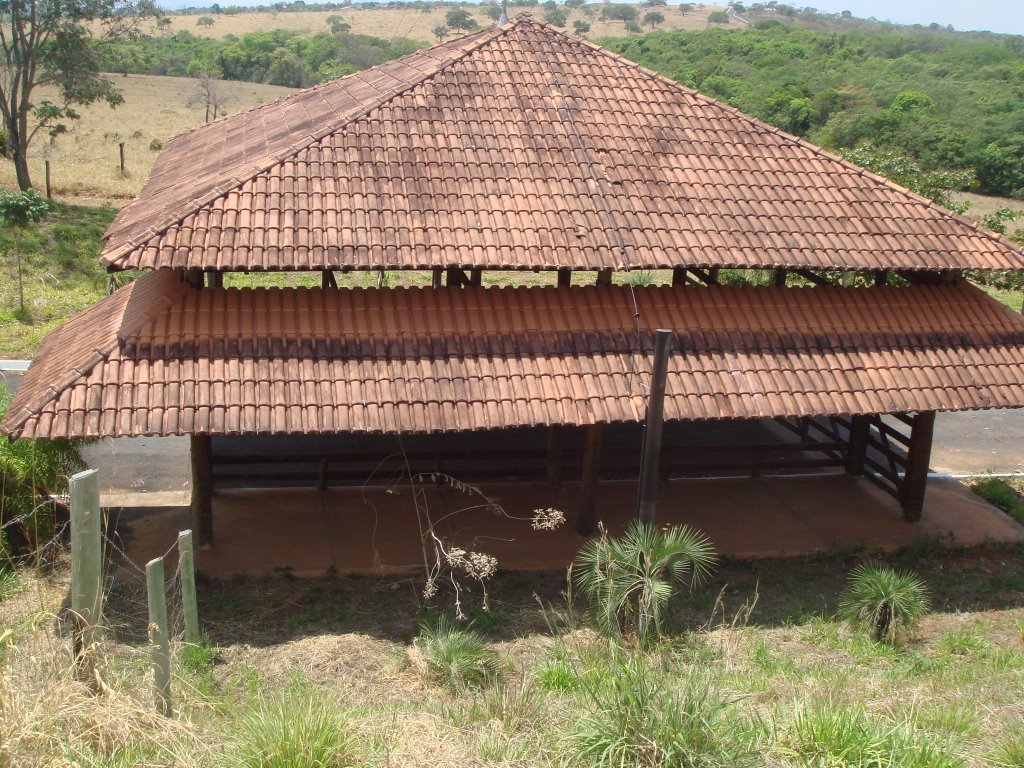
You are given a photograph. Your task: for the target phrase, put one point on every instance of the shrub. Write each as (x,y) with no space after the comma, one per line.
(642,715)
(456,657)
(1010,752)
(629,581)
(31,472)
(156,145)
(883,601)
(293,730)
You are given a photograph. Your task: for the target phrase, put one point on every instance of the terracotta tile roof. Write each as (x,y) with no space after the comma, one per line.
(160,358)
(521,147)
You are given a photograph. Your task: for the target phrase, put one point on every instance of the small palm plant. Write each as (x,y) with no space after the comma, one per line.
(883,601)
(456,657)
(629,581)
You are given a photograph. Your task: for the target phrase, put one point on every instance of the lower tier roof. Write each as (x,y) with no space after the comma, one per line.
(160,357)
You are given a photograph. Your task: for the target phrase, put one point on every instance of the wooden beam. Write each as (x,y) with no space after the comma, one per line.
(858,447)
(918,457)
(436,277)
(554,461)
(881,277)
(194,277)
(586,518)
(780,278)
(932,277)
(476,277)
(814,278)
(708,277)
(202,489)
(650,457)
(679,276)
(455,277)
(604,277)
(321,480)
(214,279)
(327,279)
(564,277)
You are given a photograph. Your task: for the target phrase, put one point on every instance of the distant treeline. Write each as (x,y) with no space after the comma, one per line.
(300,5)
(278,57)
(948,100)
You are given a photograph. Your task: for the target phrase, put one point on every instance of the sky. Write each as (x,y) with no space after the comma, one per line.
(992,15)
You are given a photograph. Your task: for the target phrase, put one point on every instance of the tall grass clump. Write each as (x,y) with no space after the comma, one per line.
(831,735)
(296,729)
(630,580)
(1009,753)
(640,715)
(882,601)
(456,657)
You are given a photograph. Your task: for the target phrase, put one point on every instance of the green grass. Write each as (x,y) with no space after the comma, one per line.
(61,274)
(1004,494)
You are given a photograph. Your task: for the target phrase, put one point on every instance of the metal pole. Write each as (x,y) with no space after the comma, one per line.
(647,498)
(86,564)
(159,642)
(187,575)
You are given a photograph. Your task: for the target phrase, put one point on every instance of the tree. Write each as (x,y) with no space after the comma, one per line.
(580,27)
(575,3)
(459,18)
(653,19)
(619,12)
(718,17)
(211,94)
(556,17)
(56,43)
(492,12)
(204,21)
(440,32)
(17,211)
(685,8)
(632,27)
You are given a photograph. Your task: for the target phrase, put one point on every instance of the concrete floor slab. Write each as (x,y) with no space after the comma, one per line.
(308,533)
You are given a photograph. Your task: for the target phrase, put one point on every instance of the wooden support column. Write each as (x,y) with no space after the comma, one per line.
(881,277)
(780,278)
(918,457)
(860,426)
(436,277)
(214,279)
(554,464)
(564,277)
(678,275)
(202,490)
(713,275)
(327,279)
(476,277)
(586,518)
(455,277)
(604,277)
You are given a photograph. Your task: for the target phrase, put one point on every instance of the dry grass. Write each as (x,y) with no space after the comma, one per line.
(84,162)
(982,206)
(410,23)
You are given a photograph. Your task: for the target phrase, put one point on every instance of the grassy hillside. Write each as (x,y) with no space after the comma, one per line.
(85,162)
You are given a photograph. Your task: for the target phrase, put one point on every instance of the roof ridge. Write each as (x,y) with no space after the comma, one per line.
(814,148)
(196,204)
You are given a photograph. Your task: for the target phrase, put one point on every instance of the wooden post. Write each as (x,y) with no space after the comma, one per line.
(860,427)
(159,642)
(49,192)
(586,520)
(187,576)
(881,277)
(564,277)
(554,465)
(214,279)
(918,458)
(650,456)
(780,278)
(678,275)
(121,149)
(202,490)
(436,276)
(476,277)
(327,279)
(604,277)
(321,480)
(86,566)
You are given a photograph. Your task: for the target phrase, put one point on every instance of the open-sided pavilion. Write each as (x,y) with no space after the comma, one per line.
(808,297)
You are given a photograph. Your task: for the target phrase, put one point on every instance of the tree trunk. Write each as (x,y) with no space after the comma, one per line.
(19,156)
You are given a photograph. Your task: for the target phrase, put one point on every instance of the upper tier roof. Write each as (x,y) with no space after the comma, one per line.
(521,147)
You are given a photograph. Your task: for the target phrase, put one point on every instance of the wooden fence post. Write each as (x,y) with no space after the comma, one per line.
(187,575)
(49,194)
(86,565)
(159,642)
(121,149)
